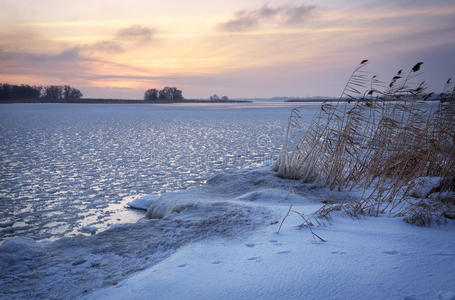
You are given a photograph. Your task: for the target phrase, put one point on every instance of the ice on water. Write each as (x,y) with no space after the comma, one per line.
(83,264)
(69,169)
(66,168)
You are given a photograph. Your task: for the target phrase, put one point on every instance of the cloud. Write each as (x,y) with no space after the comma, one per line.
(242,22)
(282,16)
(67,55)
(69,65)
(298,14)
(65,62)
(409,4)
(76,63)
(136,32)
(107,46)
(41,61)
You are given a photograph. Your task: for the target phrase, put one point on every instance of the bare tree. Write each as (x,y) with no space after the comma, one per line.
(170,94)
(71,93)
(214,98)
(52,92)
(151,95)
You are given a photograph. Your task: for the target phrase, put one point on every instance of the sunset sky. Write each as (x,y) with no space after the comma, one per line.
(238,48)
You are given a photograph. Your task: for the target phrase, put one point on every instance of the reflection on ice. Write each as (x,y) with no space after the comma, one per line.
(40,269)
(77,164)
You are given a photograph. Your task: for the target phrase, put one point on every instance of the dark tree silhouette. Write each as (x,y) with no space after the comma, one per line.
(215,98)
(151,95)
(52,93)
(14,92)
(48,93)
(167,94)
(170,94)
(71,93)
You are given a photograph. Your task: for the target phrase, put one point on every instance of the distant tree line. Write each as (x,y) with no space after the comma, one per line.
(48,93)
(216,98)
(167,94)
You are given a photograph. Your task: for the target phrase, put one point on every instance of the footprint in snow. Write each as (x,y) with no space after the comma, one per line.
(443,254)
(79,262)
(338,252)
(283,252)
(216,262)
(250,245)
(182,266)
(254,258)
(275,243)
(392,252)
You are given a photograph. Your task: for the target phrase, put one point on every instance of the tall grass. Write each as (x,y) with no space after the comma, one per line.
(384,140)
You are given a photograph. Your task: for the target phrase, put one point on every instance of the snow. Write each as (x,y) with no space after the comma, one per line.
(219,241)
(16,250)
(143,202)
(89,229)
(422,186)
(70,267)
(367,258)
(371,258)
(66,167)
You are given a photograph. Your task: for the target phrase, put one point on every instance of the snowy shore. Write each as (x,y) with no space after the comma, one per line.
(372,258)
(219,241)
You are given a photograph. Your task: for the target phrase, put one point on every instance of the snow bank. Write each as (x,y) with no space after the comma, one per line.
(18,252)
(144,202)
(89,229)
(369,258)
(261,185)
(423,186)
(192,245)
(71,267)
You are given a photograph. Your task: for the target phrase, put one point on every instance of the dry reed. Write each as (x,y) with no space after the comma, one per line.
(382,139)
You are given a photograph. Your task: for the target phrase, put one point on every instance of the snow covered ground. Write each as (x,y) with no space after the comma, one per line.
(372,258)
(219,241)
(367,258)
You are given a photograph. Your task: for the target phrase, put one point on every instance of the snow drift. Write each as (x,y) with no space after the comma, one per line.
(229,206)
(71,267)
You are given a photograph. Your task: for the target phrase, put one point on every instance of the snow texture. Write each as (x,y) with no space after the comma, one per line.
(369,258)
(66,167)
(423,186)
(194,245)
(144,202)
(214,241)
(69,267)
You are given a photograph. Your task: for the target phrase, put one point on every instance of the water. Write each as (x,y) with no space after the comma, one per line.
(64,167)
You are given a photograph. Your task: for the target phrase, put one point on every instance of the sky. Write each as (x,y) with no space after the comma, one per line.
(238,48)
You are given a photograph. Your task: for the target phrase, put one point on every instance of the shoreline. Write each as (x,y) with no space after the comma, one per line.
(119,101)
(220,241)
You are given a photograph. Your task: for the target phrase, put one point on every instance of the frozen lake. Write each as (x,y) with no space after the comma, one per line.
(64,167)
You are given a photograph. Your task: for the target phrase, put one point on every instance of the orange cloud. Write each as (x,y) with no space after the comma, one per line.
(200,46)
